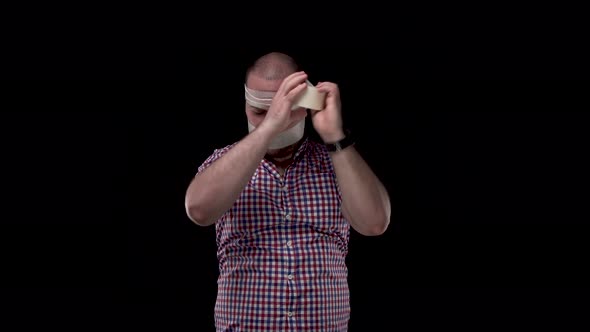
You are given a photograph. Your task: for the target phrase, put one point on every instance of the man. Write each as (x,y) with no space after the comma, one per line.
(282,205)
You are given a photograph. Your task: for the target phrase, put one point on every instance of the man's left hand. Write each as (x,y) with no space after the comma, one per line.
(328,122)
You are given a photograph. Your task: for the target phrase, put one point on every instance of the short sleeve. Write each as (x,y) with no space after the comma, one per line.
(217,153)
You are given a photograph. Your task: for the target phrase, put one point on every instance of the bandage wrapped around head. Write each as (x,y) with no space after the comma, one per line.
(309,98)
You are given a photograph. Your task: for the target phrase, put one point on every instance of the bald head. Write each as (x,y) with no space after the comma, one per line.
(273,67)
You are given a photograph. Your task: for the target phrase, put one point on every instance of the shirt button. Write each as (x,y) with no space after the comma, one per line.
(290,314)
(288,216)
(290,277)
(289,244)
(285,188)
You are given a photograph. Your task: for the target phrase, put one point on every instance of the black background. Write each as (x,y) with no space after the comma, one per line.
(482,149)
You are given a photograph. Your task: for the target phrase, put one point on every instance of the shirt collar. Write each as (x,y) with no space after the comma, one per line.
(302,148)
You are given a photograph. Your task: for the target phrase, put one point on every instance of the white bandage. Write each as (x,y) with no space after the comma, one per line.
(285,138)
(310,98)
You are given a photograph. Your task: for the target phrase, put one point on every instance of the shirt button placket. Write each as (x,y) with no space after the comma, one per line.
(289,277)
(289,244)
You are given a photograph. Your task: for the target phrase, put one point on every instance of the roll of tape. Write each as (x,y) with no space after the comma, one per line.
(311,98)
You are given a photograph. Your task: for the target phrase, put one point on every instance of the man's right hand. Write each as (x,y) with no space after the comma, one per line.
(279,116)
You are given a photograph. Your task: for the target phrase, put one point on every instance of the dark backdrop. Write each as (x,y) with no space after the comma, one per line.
(488,183)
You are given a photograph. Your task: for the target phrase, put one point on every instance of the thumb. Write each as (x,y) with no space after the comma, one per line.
(314,112)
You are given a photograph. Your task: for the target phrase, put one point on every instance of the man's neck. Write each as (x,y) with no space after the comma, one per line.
(284,153)
(284,157)
(282,161)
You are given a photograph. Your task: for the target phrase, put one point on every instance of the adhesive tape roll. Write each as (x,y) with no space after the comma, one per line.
(310,98)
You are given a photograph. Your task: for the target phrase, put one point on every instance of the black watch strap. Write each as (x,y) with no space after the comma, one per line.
(347,141)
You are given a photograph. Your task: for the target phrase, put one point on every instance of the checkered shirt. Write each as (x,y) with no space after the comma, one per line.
(281,249)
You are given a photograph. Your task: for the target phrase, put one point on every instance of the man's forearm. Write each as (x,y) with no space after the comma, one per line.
(364,198)
(215,189)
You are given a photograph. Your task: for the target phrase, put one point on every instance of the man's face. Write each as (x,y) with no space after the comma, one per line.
(256,115)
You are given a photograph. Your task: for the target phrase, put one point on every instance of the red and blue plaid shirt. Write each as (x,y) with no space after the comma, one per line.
(281,249)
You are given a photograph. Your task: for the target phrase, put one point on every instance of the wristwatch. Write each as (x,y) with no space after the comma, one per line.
(347,141)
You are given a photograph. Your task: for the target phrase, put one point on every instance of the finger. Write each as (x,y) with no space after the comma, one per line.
(286,80)
(291,82)
(325,88)
(313,112)
(328,84)
(296,91)
(282,88)
(330,88)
